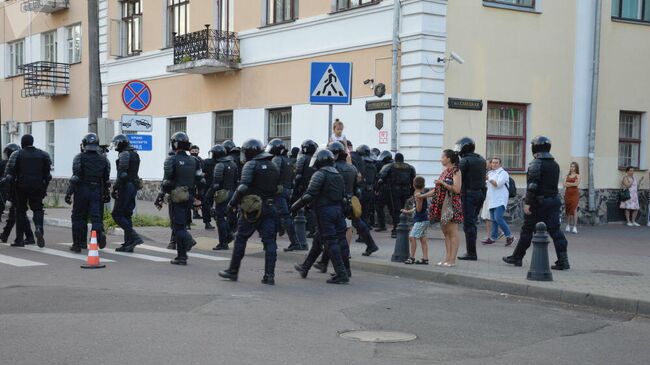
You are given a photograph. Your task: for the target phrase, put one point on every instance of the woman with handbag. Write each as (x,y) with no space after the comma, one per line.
(446,206)
(630,197)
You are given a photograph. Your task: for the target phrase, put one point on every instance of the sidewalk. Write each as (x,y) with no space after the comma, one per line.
(610,264)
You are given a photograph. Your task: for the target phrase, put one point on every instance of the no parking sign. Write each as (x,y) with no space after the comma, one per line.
(136,95)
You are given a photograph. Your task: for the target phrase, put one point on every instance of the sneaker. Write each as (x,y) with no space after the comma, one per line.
(629,224)
(510,240)
(635,224)
(648,224)
(568,228)
(488,241)
(574,230)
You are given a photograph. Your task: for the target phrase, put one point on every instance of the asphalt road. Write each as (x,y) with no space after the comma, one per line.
(142,310)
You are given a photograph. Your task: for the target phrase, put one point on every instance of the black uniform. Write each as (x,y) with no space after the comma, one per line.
(125,190)
(325,193)
(473,191)
(182,173)
(283,200)
(398,178)
(197,203)
(8,193)
(303,175)
(29,168)
(255,195)
(370,176)
(542,197)
(381,193)
(224,177)
(207,201)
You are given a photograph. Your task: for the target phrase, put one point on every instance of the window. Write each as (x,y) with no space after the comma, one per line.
(27,128)
(6,136)
(279,11)
(49,46)
(178,18)
(73,39)
(222,126)
(16,57)
(635,10)
(226,16)
(506,134)
(132,20)
(177,125)
(520,3)
(280,124)
(349,4)
(49,129)
(629,139)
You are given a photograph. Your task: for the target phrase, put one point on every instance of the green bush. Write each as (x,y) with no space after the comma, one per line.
(139,220)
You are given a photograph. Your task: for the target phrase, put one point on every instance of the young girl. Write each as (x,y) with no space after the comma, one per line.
(338,135)
(420,223)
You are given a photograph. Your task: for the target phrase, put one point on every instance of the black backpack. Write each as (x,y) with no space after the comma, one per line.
(512,188)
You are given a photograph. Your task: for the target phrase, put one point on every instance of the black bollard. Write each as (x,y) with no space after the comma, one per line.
(300,224)
(402,251)
(539,266)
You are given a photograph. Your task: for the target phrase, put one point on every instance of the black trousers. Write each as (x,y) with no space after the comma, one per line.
(549,213)
(32,198)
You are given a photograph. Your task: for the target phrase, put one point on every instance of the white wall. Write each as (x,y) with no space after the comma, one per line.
(200,131)
(249,123)
(68,134)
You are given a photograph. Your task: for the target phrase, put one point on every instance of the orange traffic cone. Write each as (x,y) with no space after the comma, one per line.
(93,254)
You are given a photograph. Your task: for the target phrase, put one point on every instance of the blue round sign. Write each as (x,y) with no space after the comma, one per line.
(136,95)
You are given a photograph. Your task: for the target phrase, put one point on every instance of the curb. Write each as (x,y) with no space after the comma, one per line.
(66,223)
(572,297)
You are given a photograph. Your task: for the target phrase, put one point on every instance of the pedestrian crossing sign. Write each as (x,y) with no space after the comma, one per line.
(331,83)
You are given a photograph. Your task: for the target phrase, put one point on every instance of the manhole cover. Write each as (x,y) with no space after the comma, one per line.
(378,336)
(617,272)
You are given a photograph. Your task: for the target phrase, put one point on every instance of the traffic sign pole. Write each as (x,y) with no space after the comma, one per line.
(329,123)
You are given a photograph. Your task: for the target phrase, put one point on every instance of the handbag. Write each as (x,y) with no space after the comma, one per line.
(447,210)
(624,195)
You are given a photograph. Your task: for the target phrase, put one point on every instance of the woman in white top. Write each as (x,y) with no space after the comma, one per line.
(497,184)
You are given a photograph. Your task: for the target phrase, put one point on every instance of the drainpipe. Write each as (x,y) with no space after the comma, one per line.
(594,109)
(395,75)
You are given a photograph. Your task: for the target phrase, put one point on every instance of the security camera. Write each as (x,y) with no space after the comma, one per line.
(368,81)
(455,56)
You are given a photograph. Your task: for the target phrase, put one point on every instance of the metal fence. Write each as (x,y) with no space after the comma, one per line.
(45,79)
(207,44)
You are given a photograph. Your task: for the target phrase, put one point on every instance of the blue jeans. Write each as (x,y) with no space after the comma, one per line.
(496,214)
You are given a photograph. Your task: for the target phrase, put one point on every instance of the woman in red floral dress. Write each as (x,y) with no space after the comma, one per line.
(446,206)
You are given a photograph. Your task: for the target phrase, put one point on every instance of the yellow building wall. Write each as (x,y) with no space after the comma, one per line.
(512,56)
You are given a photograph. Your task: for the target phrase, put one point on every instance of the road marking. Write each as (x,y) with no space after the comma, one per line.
(53,252)
(14,261)
(125,254)
(190,254)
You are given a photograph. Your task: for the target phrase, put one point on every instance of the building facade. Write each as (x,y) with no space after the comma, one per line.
(226,69)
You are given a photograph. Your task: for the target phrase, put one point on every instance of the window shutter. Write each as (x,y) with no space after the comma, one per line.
(117,38)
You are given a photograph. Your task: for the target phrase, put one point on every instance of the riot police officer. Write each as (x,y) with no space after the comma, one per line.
(303,176)
(542,204)
(381,193)
(325,193)
(197,204)
(369,176)
(223,184)
(207,201)
(124,191)
(90,183)
(473,190)
(9,194)
(235,154)
(255,197)
(399,179)
(182,175)
(293,156)
(278,149)
(29,169)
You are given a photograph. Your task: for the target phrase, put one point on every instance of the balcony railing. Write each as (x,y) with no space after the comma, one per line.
(45,79)
(205,51)
(44,6)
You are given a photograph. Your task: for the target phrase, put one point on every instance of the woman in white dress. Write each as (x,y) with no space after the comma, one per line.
(631,206)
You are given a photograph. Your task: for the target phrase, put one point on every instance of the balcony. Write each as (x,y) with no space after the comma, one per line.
(45,79)
(44,6)
(205,52)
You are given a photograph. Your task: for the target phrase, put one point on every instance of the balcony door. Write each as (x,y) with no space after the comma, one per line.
(225,15)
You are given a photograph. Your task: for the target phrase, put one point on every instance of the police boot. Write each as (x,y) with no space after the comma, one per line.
(292,248)
(18,243)
(346,263)
(101,240)
(393,233)
(268,279)
(209,226)
(221,247)
(321,266)
(172,244)
(360,240)
(372,246)
(191,244)
(562,262)
(178,261)
(40,240)
(230,274)
(512,260)
(134,240)
(4,237)
(380,229)
(302,270)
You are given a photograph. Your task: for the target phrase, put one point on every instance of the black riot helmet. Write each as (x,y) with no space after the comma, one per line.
(10,148)
(375,152)
(308,147)
(363,150)
(218,151)
(337,149)
(385,157)
(121,142)
(90,142)
(228,145)
(180,141)
(540,144)
(464,146)
(276,147)
(294,152)
(250,149)
(322,158)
